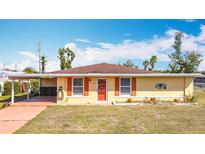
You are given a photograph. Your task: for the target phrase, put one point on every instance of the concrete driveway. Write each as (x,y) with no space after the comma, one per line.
(15,116)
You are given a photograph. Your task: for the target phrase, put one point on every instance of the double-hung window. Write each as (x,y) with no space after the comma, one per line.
(125,86)
(78,87)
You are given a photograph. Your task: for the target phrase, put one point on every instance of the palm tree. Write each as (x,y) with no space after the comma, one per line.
(145,64)
(152,62)
(43,63)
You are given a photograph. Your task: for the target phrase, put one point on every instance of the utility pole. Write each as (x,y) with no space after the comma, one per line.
(39,56)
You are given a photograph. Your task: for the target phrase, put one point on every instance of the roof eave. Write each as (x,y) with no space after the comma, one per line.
(104,75)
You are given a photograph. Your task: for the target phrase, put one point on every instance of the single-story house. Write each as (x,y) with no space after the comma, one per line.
(107,83)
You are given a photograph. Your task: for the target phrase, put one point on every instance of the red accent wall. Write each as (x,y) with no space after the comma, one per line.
(69,86)
(86,86)
(117,86)
(133,86)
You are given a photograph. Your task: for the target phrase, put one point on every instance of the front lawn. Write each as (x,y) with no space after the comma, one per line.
(121,119)
(113,119)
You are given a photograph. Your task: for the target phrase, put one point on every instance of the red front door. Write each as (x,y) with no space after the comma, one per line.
(102,89)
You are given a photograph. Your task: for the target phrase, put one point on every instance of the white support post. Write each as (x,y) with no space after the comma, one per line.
(12,91)
(28,90)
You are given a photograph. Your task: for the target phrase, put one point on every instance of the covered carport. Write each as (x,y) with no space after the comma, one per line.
(47,83)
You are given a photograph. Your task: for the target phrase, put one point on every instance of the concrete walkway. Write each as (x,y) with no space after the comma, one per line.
(15,116)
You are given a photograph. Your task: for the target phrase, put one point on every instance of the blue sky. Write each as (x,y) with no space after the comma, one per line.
(96,41)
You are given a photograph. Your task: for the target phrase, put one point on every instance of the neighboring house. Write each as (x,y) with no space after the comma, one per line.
(107,83)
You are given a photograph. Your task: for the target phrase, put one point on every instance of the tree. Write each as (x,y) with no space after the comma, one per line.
(145,64)
(183,62)
(129,63)
(152,61)
(61,57)
(70,57)
(66,56)
(43,63)
(29,70)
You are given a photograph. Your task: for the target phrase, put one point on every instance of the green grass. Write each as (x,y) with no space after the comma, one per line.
(8,96)
(114,119)
(99,119)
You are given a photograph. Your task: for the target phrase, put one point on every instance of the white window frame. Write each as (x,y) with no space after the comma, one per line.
(125,86)
(77,86)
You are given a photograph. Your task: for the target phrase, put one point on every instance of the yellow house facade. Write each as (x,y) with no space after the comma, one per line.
(177,88)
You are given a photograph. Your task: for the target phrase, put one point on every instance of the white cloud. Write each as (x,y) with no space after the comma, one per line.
(29,54)
(70,46)
(190,20)
(83,40)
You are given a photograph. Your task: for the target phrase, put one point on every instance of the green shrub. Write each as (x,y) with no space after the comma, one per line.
(3,105)
(34,85)
(190,99)
(7,88)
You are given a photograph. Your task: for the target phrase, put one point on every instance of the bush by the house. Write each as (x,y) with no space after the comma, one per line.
(7,88)
(35,86)
(3,105)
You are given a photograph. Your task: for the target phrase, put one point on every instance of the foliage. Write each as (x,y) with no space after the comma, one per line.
(61,57)
(129,63)
(190,99)
(145,64)
(152,61)
(70,57)
(43,63)
(3,105)
(183,62)
(7,88)
(66,56)
(35,85)
(149,64)
(29,70)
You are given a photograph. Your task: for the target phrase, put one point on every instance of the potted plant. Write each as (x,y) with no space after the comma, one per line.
(153,100)
(129,100)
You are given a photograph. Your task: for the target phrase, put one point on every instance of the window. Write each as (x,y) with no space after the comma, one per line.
(78,86)
(125,86)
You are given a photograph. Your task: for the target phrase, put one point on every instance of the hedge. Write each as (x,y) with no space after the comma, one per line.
(7,88)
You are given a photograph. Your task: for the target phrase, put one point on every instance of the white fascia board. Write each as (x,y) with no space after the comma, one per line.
(103,75)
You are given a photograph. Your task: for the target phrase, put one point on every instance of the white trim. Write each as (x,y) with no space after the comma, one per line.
(11,76)
(125,86)
(77,86)
(149,96)
(99,101)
